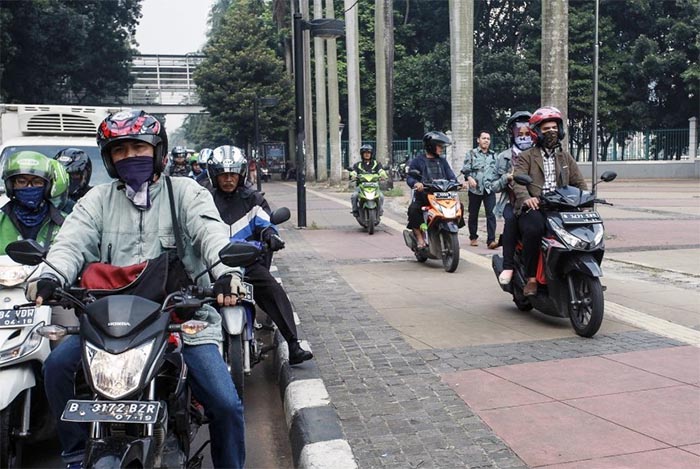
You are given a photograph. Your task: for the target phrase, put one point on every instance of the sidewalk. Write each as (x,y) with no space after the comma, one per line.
(428,369)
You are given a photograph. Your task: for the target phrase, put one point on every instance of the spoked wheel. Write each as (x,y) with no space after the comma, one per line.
(586,310)
(234,351)
(450,251)
(10,448)
(371,220)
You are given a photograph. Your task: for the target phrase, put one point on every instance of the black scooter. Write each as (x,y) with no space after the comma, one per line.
(138,405)
(571,253)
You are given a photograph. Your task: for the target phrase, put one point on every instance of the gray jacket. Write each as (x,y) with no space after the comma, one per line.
(482,167)
(504,167)
(106,227)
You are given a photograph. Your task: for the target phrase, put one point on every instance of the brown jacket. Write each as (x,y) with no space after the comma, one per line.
(530,162)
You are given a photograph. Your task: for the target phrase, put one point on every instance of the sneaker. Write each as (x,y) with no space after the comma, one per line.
(298,354)
(474,242)
(530,288)
(505,277)
(493,245)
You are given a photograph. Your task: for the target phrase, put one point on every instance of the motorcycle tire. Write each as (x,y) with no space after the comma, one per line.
(371,221)
(522,305)
(234,355)
(587,318)
(450,253)
(10,449)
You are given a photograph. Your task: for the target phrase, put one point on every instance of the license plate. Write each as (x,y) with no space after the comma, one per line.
(580,218)
(16,317)
(443,195)
(248,295)
(370,184)
(111,411)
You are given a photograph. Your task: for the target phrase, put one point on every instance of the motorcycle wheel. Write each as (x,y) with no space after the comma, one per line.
(522,305)
(587,318)
(10,449)
(234,351)
(371,221)
(450,255)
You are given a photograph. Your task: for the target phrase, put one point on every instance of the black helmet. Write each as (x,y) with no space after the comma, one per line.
(367,148)
(434,138)
(132,125)
(179,152)
(76,161)
(227,159)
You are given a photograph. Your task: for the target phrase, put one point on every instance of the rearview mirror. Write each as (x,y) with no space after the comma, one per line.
(608,176)
(523,179)
(26,252)
(239,254)
(280,216)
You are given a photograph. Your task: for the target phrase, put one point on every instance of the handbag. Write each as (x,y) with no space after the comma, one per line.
(153,279)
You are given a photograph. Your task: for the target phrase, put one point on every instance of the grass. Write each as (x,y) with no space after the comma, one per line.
(395,192)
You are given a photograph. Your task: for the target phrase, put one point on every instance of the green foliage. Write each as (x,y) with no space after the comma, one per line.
(63,51)
(242,62)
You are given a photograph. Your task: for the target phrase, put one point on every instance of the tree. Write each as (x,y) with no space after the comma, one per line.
(555,55)
(241,63)
(461,78)
(92,38)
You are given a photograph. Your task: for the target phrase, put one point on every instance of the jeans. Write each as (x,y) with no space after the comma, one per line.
(474,206)
(209,381)
(532,226)
(510,236)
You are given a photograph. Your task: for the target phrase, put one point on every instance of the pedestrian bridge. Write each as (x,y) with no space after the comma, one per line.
(164,84)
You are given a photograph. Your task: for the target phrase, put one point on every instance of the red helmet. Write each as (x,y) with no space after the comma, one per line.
(542,115)
(132,125)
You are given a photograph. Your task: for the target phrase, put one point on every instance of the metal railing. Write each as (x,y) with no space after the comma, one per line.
(655,144)
(164,79)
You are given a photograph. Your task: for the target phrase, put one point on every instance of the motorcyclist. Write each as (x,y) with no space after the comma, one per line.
(521,140)
(431,166)
(367,164)
(178,165)
(128,221)
(247,212)
(33,211)
(196,171)
(550,166)
(79,168)
(203,179)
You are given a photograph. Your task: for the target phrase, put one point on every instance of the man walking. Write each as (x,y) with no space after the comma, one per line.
(480,172)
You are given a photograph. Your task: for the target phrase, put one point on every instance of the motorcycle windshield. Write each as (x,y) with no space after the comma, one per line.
(569,196)
(368,177)
(119,315)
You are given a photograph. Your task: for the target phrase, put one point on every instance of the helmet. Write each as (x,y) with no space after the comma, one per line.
(367,147)
(518,116)
(27,162)
(542,115)
(227,159)
(434,138)
(179,152)
(194,158)
(76,161)
(60,184)
(204,155)
(132,125)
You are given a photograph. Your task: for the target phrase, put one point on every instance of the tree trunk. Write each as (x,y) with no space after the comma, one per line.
(353,65)
(308,106)
(321,120)
(555,57)
(333,104)
(384,60)
(288,63)
(462,79)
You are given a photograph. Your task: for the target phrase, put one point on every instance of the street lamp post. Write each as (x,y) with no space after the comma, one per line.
(326,28)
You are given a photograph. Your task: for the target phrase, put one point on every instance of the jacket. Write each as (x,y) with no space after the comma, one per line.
(504,167)
(482,168)
(530,162)
(246,212)
(10,232)
(105,226)
(420,163)
(373,167)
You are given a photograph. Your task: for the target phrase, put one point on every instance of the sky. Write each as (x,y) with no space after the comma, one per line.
(172,27)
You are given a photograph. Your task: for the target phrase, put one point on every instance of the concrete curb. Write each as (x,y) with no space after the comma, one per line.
(315,434)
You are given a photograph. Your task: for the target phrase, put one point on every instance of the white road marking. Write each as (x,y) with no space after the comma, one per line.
(335,454)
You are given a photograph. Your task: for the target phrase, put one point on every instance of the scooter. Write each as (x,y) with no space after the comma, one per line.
(24,412)
(439,230)
(369,202)
(568,270)
(139,408)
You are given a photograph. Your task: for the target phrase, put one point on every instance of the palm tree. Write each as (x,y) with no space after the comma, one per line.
(353,65)
(461,78)
(384,59)
(333,104)
(321,122)
(555,55)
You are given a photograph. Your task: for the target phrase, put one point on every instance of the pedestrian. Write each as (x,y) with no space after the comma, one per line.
(252,172)
(480,172)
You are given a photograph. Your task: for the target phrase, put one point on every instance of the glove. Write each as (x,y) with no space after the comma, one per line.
(43,287)
(275,243)
(226,288)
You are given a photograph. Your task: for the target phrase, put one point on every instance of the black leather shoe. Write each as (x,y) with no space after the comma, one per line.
(298,354)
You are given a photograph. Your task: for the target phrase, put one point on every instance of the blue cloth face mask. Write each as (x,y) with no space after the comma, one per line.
(136,172)
(30,208)
(523,142)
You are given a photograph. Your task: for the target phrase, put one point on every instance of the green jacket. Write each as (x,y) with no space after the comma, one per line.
(105,226)
(482,167)
(47,233)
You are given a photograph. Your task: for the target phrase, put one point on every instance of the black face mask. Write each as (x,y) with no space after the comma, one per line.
(550,139)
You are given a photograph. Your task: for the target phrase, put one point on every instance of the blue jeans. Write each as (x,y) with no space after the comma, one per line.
(209,380)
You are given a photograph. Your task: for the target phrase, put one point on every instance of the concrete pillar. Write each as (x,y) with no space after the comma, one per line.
(693,149)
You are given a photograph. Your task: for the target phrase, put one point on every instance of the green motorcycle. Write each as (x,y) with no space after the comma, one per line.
(369,200)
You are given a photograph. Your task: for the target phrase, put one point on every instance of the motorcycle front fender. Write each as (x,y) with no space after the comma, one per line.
(449,226)
(15,379)
(120,452)
(370,204)
(585,263)
(234,319)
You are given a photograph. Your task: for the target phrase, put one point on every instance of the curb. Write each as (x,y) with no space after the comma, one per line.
(315,434)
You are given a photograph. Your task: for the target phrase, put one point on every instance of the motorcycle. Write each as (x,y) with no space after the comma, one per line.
(568,270)
(139,408)
(265,174)
(368,200)
(24,415)
(242,350)
(439,230)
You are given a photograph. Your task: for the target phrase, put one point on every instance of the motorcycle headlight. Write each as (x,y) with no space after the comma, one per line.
(11,276)
(571,240)
(116,376)
(30,344)
(448,212)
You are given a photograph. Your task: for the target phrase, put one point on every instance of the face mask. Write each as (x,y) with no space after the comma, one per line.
(523,142)
(30,208)
(136,172)
(30,197)
(551,139)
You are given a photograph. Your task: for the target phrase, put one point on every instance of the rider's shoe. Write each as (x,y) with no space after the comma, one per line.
(530,288)
(505,277)
(355,213)
(298,354)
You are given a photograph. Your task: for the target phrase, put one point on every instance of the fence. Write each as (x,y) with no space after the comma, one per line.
(631,145)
